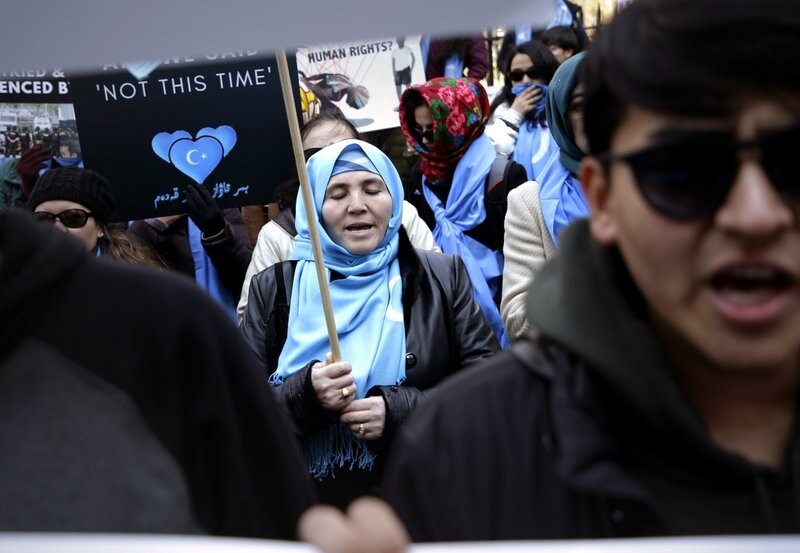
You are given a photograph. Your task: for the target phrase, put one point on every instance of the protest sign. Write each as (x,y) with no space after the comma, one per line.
(363,79)
(217,121)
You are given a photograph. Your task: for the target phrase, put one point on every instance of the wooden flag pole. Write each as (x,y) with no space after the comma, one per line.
(305,187)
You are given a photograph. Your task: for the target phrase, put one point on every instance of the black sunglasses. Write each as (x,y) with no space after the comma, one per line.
(424,135)
(519,74)
(71,218)
(692,178)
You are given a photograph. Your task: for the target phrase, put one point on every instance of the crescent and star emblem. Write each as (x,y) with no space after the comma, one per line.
(189,156)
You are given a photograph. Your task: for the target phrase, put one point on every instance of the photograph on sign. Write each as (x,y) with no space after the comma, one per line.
(36,109)
(50,125)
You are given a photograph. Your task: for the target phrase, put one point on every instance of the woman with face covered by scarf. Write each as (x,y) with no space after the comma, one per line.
(518,127)
(405,318)
(539,210)
(444,121)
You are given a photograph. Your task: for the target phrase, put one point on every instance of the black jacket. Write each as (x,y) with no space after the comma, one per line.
(582,433)
(129,403)
(445,331)
(230,252)
(491,231)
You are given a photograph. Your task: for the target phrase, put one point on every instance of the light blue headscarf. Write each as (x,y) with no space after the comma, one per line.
(560,192)
(367,304)
(465,210)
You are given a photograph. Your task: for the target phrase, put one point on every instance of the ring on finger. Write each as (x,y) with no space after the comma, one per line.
(345,391)
(361,429)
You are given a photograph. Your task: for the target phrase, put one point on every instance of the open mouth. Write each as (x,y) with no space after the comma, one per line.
(359,228)
(751,285)
(751,293)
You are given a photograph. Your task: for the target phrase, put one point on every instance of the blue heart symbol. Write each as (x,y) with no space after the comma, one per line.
(196,158)
(225,134)
(162,142)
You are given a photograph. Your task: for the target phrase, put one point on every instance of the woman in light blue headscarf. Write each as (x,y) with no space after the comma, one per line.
(405,319)
(539,210)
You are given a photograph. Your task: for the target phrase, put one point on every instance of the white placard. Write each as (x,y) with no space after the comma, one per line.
(359,78)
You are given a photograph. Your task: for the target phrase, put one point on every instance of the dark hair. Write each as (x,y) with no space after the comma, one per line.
(412,99)
(71,144)
(543,60)
(688,57)
(561,36)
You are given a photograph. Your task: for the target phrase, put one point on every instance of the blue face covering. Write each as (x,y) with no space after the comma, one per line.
(519,88)
(539,108)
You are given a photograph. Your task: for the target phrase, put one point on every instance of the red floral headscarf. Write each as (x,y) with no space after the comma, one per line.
(460,110)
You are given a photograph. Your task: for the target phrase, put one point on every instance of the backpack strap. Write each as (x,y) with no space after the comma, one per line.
(498,172)
(279,320)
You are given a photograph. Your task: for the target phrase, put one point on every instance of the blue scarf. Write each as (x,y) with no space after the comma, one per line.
(454,67)
(465,210)
(560,192)
(560,195)
(206,274)
(534,147)
(367,303)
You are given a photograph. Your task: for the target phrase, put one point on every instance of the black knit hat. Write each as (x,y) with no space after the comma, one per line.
(83,186)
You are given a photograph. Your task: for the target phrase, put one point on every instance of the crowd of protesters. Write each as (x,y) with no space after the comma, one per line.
(622,221)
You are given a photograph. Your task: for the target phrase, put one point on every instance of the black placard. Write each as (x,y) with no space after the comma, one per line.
(221,124)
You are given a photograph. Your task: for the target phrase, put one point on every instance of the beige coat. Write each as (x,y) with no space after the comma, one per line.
(528,245)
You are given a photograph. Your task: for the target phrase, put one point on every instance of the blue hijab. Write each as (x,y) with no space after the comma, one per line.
(560,192)
(366,298)
(465,210)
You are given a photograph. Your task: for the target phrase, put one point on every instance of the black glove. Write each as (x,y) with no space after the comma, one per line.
(29,165)
(203,210)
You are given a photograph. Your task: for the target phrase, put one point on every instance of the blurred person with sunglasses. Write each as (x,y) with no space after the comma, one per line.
(79,202)
(518,127)
(659,394)
(540,209)
(276,238)
(454,186)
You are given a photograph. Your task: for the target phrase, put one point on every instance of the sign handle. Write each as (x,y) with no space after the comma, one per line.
(305,188)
